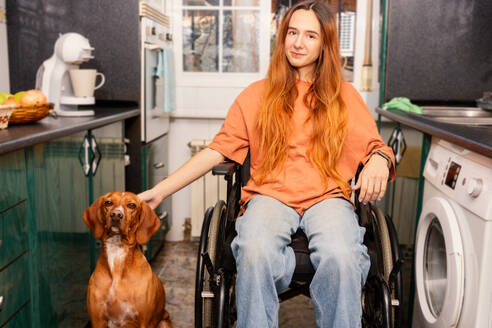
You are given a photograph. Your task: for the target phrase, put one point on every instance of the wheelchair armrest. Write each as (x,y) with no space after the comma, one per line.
(225,168)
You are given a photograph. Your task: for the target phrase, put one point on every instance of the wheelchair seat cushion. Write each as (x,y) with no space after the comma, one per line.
(304,269)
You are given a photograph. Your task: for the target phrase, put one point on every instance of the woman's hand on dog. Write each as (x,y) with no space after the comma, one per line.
(151,197)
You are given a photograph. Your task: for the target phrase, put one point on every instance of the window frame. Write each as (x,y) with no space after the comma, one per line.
(223,79)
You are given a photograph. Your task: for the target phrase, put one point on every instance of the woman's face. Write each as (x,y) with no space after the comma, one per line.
(303,42)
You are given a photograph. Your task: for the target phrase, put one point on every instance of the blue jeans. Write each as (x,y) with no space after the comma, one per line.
(265,262)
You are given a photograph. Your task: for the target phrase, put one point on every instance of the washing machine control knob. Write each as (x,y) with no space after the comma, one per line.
(474,187)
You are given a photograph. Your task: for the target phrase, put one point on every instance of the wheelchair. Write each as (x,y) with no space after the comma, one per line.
(215,305)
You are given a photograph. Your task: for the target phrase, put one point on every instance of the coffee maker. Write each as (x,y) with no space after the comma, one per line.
(53,78)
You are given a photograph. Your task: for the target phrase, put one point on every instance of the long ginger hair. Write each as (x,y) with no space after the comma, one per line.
(328,111)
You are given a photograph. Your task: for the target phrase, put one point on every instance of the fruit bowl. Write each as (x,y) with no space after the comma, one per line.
(25,106)
(27,114)
(5,113)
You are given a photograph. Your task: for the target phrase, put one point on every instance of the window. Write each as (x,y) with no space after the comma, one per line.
(225,39)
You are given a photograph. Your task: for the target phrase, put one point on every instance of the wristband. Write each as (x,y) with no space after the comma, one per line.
(386,157)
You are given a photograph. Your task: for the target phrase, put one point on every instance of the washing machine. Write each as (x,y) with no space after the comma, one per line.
(453,247)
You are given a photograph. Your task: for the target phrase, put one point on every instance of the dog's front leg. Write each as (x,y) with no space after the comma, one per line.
(99,323)
(95,308)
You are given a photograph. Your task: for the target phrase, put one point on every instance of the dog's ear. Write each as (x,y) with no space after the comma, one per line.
(149,224)
(92,219)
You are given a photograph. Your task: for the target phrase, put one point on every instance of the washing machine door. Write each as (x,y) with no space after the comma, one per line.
(439,264)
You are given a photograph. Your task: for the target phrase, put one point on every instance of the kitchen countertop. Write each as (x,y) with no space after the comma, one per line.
(473,137)
(49,128)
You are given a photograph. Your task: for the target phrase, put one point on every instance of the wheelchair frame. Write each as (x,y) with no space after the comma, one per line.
(216,270)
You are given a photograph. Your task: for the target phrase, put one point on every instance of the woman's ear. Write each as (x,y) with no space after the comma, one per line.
(149,224)
(92,218)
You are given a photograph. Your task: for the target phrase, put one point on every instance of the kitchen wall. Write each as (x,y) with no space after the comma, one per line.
(111,27)
(4,58)
(439,51)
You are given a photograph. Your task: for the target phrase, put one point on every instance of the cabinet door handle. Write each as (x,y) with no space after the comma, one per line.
(84,150)
(89,154)
(1,303)
(97,155)
(163,215)
(159,165)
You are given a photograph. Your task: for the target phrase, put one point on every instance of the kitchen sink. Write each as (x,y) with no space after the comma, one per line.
(458,115)
(435,111)
(465,120)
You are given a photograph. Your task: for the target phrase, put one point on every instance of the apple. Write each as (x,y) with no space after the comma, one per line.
(18,95)
(33,98)
(11,101)
(4,96)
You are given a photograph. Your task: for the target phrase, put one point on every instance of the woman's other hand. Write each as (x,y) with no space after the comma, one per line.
(373,179)
(151,197)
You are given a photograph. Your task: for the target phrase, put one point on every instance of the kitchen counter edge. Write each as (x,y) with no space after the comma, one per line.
(20,136)
(474,138)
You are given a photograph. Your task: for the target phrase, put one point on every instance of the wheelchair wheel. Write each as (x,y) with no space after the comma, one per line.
(376,301)
(387,253)
(384,237)
(207,291)
(226,302)
(201,269)
(396,284)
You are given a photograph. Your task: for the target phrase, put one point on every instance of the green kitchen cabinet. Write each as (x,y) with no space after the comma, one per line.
(64,252)
(13,187)
(47,253)
(14,288)
(14,257)
(110,173)
(14,265)
(155,161)
(22,318)
(13,234)
(13,207)
(61,253)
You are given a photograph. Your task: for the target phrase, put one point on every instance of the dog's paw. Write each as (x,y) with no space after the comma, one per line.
(165,324)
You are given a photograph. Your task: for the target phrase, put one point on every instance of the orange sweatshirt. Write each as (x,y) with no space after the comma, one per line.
(299,185)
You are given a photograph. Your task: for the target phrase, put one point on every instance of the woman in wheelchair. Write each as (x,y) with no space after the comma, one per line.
(307,132)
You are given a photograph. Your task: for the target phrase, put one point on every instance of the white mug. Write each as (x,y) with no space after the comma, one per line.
(84,81)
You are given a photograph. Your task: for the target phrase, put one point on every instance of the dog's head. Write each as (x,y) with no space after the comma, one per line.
(124,214)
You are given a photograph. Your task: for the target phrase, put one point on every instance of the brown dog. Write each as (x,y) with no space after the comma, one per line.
(123,291)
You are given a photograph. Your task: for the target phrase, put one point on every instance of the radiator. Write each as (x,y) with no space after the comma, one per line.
(205,191)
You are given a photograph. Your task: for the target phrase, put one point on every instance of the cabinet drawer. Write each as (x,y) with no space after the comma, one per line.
(157,159)
(14,287)
(21,319)
(13,233)
(13,186)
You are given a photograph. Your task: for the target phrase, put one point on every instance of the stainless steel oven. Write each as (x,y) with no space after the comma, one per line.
(155,38)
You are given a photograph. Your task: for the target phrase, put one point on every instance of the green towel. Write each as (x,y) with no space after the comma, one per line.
(404,104)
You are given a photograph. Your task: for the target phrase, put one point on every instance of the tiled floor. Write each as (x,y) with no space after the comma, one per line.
(176,264)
